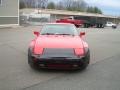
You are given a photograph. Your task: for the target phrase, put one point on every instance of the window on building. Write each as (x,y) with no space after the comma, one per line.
(0,2)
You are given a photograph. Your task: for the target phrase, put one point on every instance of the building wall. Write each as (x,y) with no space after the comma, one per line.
(9,12)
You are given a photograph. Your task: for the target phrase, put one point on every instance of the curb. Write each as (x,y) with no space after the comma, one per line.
(9,27)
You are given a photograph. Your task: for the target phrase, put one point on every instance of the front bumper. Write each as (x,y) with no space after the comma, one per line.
(59,62)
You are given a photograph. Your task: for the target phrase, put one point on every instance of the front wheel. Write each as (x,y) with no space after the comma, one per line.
(114,27)
(87,61)
(31,62)
(77,26)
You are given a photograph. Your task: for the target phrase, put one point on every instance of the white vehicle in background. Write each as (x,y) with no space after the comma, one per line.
(38,19)
(34,18)
(111,24)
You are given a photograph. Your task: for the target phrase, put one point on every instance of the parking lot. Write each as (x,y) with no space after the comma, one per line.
(102,74)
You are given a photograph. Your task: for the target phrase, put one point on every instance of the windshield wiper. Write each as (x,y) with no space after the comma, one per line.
(48,34)
(56,34)
(65,34)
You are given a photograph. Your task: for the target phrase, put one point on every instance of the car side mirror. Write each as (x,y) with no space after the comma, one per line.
(82,34)
(36,33)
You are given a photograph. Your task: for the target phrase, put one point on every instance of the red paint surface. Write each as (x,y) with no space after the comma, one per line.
(75,22)
(58,41)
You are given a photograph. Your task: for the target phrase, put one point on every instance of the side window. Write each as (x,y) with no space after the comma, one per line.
(109,22)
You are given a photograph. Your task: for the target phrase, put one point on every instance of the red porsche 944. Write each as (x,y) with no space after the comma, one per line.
(59,46)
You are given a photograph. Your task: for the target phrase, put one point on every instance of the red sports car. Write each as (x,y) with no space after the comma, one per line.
(59,46)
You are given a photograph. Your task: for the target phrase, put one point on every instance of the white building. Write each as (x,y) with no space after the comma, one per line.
(9,12)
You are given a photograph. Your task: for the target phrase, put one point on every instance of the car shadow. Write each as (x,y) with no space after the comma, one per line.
(45,70)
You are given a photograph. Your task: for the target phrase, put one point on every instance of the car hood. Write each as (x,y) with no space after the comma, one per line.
(58,41)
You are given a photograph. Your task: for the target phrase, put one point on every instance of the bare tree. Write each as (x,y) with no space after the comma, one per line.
(35,3)
(77,5)
(60,5)
(51,5)
(41,3)
(67,4)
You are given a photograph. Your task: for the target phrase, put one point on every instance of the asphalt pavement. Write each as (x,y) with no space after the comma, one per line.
(102,74)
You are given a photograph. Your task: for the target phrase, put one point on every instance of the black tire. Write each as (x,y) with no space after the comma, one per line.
(77,26)
(86,63)
(30,61)
(114,27)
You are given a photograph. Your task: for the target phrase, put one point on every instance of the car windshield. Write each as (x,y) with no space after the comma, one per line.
(59,29)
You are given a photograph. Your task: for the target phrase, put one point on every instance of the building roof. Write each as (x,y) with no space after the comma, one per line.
(64,12)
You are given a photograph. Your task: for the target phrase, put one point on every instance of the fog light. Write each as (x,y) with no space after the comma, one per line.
(42,65)
(75,65)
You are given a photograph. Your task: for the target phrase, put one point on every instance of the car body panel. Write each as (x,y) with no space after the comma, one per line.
(110,24)
(77,23)
(56,41)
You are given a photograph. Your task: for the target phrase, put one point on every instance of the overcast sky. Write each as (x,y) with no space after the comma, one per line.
(109,7)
